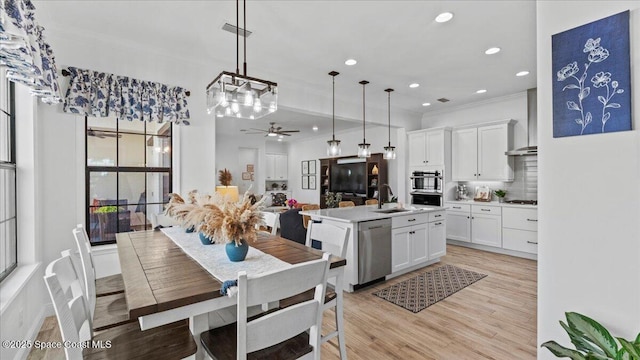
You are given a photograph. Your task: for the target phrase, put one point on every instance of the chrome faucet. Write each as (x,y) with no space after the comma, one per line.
(380,193)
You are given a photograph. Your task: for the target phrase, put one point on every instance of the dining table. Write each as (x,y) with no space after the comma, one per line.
(164,284)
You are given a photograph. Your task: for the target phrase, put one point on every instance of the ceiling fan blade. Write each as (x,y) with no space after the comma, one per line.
(289,131)
(253,133)
(254,129)
(283,134)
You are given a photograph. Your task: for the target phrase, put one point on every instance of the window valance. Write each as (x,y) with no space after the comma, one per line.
(27,57)
(99,94)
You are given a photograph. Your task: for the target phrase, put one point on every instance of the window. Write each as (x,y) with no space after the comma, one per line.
(128,175)
(8,223)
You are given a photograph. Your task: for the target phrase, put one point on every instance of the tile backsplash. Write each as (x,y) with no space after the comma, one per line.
(524,186)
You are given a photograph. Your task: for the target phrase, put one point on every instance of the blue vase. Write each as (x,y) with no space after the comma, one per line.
(237,253)
(204,239)
(190,230)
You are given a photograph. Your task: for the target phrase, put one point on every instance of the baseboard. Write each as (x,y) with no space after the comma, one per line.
(494,249)
(33,331)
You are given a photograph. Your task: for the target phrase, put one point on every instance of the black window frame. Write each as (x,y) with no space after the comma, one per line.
(11,165)
(122,169)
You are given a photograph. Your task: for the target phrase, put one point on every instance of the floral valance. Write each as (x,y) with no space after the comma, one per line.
(27,57)
(99,94)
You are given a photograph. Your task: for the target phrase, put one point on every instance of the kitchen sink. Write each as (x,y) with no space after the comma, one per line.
(391,211)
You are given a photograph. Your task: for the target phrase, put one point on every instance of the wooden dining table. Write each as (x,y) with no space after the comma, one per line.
(163,284)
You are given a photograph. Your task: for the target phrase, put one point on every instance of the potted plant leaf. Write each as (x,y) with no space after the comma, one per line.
(500,194)
(593,341)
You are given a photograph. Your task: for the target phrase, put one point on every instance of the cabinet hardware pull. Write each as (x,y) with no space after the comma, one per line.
(473,217)
(438,223)
(411,220)
(485,209)
(534,220)
(375,227)
(412,232)
(467,217)
(437,215)
(478,174)
(475,175)
(531,242)
(457,207)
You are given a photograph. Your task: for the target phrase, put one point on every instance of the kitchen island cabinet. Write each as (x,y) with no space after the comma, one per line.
(410,236)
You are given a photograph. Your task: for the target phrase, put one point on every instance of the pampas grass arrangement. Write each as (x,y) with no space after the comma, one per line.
(220,220)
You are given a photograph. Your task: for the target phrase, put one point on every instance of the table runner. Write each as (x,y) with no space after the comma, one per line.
(213,258)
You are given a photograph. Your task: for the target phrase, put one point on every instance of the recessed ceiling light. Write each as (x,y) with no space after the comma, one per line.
(481,91)
(444,17)
(522,73)
(315,128)
(492,50)
(426,104)
(280,136)
(350,62)
(414,85)
(279,139)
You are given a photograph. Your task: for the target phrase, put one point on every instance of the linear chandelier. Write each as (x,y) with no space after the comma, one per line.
(333,145)
(238,95)
(389,151)
(363,148)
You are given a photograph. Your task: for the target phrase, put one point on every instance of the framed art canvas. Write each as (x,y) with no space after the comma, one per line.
(312,182)
(246,176)
(305,167)
(249,167)
(591,78)
(305,182)
(312,167)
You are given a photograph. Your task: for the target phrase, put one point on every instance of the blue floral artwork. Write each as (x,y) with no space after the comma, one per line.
(591,78)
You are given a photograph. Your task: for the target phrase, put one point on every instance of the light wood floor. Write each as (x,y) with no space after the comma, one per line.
(494,318)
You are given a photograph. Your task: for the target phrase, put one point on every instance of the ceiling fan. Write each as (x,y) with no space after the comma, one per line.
(101,134)
(272,131)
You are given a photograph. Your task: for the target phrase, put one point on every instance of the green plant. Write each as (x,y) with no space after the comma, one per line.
(107,209)
(500,193)
(332,199)
(593,341)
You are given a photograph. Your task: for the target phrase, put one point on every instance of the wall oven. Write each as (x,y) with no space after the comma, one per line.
(426,188)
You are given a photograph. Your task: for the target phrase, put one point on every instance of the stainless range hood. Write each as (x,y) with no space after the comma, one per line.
(532,127)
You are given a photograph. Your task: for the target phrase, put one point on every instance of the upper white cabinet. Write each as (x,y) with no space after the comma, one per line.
(427,147)
(479,152)
(277,166)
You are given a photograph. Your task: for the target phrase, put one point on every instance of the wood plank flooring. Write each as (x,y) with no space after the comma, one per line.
(494,318)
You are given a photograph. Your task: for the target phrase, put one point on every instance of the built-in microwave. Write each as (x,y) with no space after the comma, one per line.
(424,198)
(426,181)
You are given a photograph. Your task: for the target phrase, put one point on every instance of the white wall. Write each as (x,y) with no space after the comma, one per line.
(589,187)
(316,148)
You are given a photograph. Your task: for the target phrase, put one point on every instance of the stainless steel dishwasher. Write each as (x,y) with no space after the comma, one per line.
(374,250)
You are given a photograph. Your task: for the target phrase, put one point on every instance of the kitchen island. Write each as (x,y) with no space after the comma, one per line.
(384,243)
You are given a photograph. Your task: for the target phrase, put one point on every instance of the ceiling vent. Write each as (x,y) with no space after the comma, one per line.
(233,29)
(443,100)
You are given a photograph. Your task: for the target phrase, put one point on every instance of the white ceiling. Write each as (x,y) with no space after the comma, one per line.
(296,43)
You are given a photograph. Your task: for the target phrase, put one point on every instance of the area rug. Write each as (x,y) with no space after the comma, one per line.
(424,290)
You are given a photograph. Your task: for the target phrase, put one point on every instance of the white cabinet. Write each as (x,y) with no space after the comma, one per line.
(520,229)
(277,166)
(437,239)
(478,153)
(417,238)
(486,225)
(427,147)
(458,222)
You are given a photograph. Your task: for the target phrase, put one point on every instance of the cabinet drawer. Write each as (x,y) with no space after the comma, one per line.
(520,240)
(458,207)
(436,215)
(484,209)
(408,220)
(523,219)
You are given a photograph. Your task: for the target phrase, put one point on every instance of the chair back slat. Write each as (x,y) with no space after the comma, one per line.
(69,305)
(271,220)
(88,270)
(280,326)
(333,238)
(280,284)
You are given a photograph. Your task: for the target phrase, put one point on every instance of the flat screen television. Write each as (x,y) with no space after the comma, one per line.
(349,178)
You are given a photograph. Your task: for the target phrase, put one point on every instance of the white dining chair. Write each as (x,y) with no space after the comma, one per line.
(333,239)
(284,327)
(172,341)
(162,220)
(105,311)
(271,220)
(107,285)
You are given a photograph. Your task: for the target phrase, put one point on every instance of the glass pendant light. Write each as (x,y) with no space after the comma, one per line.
(389,151)
(363,148)
(333,145)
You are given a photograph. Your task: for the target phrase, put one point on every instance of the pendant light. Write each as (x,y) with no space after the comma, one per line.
(238,95)
(389,151)
(363,148)
(333,145)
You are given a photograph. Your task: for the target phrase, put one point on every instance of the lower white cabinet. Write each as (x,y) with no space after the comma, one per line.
(520,229)
(458,222)
(420,242)
(486,225)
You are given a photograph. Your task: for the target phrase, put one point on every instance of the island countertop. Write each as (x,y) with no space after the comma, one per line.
(367,212)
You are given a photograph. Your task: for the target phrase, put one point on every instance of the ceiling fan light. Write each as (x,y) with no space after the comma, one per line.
(272,134)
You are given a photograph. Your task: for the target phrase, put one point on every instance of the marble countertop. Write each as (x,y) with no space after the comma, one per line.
(490,203)
(367,212)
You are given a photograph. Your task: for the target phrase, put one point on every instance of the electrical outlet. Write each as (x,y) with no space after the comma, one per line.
(20,317)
